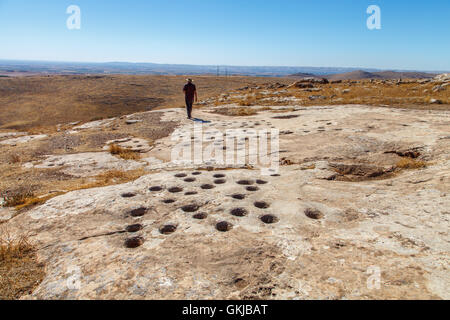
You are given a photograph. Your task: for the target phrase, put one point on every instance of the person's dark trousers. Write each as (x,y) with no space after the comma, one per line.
(189,103)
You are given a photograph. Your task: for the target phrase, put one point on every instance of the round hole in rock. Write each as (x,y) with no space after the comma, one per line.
(190,208)
(168,229)
(189,180)
(261,182)
(175,190)
(245,182)
(224,226)
(238,196)
(275,175)
(240,283)
(128,195)
(197,173)
(134,228)
(156,189)
(252,189)
(269,219)
(134,242)
(313,214)
(219,175)
(139,212)
(239,212)
(191,193)
(261,204)
(168,201)
(207,187)
(181,175)
(220,181)
(200,216)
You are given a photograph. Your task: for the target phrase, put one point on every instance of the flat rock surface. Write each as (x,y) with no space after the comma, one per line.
(86,164)
(23,139)
(308,232)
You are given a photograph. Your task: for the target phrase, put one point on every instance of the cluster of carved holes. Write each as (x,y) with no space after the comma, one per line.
(269,219)
(224,226)
(134,242)
(239,212)
(139,212)
(168,229)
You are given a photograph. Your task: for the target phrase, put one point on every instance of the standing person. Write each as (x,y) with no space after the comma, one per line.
(190,92)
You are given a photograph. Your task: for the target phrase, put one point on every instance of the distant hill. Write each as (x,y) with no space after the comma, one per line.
(382,75)
(31,68)
(303,75)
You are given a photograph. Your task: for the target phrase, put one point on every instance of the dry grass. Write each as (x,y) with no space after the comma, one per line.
(19,196)
(237,112)
(408,163)
(112,177)
(14,158)
(407,95)
(35,201)
(41,102)
(249,101)
(20,272)
(123,153)
(24,197)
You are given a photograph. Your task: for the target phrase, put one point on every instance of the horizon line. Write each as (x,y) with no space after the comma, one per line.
(225,65)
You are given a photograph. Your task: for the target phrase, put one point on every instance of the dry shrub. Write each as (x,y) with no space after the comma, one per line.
(14,158)
(123,153)
(18,196)
(12,248)
(20,272)
(408,163)
(24,197)
(247,102)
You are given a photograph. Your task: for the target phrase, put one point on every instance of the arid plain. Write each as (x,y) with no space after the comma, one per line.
(94,208)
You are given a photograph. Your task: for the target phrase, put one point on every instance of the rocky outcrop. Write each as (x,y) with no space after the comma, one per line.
(210,231)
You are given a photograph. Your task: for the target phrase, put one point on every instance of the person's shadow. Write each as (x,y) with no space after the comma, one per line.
(200,120)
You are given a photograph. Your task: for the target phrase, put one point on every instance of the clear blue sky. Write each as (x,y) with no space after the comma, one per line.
(415,34)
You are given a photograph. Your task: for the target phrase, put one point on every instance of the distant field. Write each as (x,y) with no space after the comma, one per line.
(42,102)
